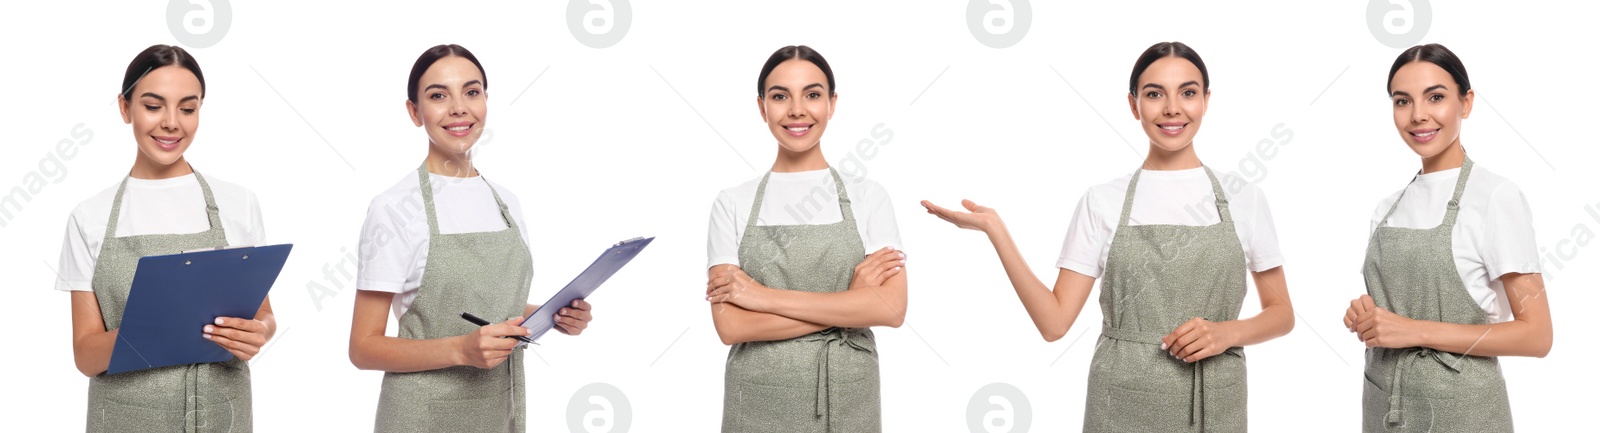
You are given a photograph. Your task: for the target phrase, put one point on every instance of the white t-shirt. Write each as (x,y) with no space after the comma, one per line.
(1493,233)
(154,207)
(394,239)
(1176,197)
(800,198)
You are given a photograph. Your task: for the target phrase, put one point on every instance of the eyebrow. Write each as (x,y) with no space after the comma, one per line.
(808,87)
(1429,89)
(164,99)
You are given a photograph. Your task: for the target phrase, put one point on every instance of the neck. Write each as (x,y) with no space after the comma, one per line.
(1162,159)
(144,168)
(789,162)
(1451,157)
(451,164)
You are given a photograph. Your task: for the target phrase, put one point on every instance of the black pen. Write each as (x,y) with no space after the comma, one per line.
(480,322)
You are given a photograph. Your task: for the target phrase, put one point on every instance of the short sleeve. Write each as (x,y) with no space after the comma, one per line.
(880,228)
(722,237)
(1086,238)
(258,230)
(386,256)
(1507,244)
(75,270)
(1264,252)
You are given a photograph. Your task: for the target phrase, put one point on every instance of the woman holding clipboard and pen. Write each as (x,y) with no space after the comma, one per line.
(163,206)
(795,295)
(440,242)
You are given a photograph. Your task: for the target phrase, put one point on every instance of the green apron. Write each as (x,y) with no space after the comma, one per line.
(211,397)
(822,382)
(1158,277)
(1412,272)
(486,274)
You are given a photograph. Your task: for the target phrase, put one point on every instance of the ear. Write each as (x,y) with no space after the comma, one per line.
(1466,106)
(1133,105)
(122,105)
(411,109)
(833,101)
(761,105)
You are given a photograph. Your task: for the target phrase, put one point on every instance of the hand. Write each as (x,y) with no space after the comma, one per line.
(1198,339)
(731,285)
(978,218)
(242,337)
(1358,308)
(877,267)
(1379,327)
(486,346)
(572,320)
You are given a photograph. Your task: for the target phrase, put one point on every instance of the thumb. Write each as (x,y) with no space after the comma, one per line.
(970,205)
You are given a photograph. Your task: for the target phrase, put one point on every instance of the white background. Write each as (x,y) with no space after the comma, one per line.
(305,104)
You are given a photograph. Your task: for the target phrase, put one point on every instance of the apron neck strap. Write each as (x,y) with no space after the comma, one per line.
(213,217)
(845,211)
(1451,209)
(1216,190)
(427,200)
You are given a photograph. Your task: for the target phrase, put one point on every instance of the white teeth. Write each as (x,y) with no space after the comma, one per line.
(459,128)
(1425,134)
(1172,128)
(799,128)
(165,141)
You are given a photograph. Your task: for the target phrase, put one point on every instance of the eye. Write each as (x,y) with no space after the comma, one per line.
(474,92)
(779,96)
(1401,102)
(187,110)
(814,95)
(436,96)
(1152,94)
(1189,93)
(152,107)
(1435,97)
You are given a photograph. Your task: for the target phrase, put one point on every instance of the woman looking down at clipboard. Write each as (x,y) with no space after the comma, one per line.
(442,241)
(162,207)
(794,292)
(1170,353)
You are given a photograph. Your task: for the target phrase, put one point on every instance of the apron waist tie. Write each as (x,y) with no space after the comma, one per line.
(1197,369)
(851,337)
(1396,413)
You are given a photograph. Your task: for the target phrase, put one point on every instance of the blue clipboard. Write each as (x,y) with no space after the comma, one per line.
(611,261)
(174,296)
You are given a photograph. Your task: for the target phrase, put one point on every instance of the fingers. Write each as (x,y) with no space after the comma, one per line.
(244,351)
(573,314)
(248,325)
(1367,303)
(249,334)
(972,207)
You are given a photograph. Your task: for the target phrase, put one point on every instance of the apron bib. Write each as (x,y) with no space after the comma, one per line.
(822,382)
(1158,277)
(210,397)
(1412,272)
(486,274)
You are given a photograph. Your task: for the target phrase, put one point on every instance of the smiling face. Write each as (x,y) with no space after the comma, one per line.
(1428,107)
(164,110)
(1170,101)
(452,105)
(796,103)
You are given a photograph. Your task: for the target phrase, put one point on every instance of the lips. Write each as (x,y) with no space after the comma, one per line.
(798,129)
(167,143)
(1424,135)
(1172,128)
(459,129)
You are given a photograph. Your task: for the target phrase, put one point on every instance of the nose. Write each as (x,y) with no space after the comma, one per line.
(795,109)
(1418,116)
(457,108)
(1169,107)
(169,120)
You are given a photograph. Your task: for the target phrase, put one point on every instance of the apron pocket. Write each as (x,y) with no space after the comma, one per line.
(483,414)
(109,416)
(763,408)
(1143,411)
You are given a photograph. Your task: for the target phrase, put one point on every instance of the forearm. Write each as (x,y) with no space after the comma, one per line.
(1040,302)
(402,355)
(1272,322)
(1511,338)
(92,352)
(737,325)
(859,307)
